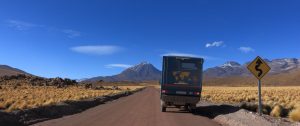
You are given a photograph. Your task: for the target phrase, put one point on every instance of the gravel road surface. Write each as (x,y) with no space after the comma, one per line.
(139,109)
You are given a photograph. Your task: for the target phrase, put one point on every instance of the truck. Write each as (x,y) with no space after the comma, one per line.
(181,83)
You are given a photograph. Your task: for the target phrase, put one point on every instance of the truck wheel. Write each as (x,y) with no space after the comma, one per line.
(163,106)
(186,107)
(192,108)
(163,109)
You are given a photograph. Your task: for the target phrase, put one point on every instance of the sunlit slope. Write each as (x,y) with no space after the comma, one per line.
(7,70)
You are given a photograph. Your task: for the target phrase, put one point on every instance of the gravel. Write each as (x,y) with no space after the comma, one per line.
(231,115)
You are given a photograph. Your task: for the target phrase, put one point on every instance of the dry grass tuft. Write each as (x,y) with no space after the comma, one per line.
(294,115)
(276,111)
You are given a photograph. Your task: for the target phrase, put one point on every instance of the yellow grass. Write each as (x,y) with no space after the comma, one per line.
(287,97)
(276,111)
(294,115)
(25,97)
(156,86)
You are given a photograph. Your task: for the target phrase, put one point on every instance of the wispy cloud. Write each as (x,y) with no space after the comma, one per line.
(188,55)
(117,66)
(71,33)
(97,49)
(21,25)
(215,44)
(246,49)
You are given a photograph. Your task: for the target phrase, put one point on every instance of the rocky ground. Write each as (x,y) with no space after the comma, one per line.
(22,79)
(233,115)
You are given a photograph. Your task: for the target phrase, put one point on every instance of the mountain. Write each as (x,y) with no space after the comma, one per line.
(284,65)
(232,68)
(7,70)
(140,72)
(284,71)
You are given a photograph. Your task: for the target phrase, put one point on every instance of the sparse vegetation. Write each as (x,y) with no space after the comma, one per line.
(25,96)
(278,101)
(276,111)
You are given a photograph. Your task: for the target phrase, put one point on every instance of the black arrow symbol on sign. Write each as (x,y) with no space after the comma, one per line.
(258,63)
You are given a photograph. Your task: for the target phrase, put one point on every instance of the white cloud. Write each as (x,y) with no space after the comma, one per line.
(97,49)
(21,25)
(246,49)
(71,33)
(117,66)
(214,44)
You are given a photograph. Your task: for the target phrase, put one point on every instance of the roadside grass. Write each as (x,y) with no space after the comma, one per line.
(277,101)
(295,114)
(276,111)
(156,86)
(26,97)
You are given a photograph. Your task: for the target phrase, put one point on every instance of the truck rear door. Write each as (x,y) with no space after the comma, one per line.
(182,76)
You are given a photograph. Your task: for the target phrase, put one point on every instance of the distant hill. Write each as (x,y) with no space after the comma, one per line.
(7,70)
(140,72)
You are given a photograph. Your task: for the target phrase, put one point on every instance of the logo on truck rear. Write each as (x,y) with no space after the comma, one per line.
(181,77)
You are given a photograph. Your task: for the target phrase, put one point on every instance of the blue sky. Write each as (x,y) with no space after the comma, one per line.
(79,39)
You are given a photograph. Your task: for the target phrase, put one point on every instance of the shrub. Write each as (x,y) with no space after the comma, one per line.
(276,111)
(294,115)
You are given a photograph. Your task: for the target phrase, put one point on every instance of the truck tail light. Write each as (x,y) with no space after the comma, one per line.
(196,93)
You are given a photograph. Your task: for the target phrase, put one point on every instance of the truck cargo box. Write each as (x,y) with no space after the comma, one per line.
(181,83)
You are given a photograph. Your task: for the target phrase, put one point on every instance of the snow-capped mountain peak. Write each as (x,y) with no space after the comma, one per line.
(140,66)
(230,64)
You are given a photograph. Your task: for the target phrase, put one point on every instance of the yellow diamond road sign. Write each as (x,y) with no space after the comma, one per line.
(258,67)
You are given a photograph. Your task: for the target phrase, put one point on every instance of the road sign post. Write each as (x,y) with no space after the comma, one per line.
(259,68)
(259,98)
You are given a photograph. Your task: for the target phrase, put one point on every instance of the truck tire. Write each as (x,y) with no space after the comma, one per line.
(163,106)
(186,107)
(163,109)
(192,108)
(193,111)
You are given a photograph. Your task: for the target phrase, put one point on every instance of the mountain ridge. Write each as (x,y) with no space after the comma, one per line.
(278,66)
(283,70)
(229,73)
(144,71)
(8,70)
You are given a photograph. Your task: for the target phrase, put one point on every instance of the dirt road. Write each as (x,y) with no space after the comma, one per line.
(139,109)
